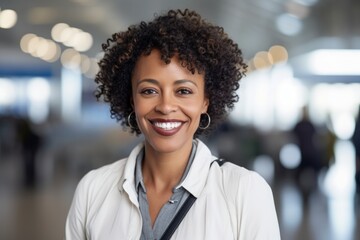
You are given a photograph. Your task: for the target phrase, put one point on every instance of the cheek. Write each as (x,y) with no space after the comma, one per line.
(194,113)
(140,108)
(140,113)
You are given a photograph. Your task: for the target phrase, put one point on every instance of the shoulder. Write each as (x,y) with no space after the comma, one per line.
(106,171)
(249,197)
(108,177)
(238,174)
(240,182)
(103,177)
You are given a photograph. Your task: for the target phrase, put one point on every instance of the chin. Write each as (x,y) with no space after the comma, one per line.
(166,145)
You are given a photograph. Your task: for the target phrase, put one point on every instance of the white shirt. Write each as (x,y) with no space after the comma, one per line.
(232,203)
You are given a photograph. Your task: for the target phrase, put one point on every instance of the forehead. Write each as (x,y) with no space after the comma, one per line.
(152,66)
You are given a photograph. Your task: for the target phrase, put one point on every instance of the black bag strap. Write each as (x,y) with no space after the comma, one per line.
(183,211)
(178,218)
(220,161)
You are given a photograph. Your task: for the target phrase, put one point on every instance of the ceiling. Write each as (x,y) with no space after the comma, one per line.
(251,23)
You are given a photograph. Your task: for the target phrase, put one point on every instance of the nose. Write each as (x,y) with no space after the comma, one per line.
(166,104)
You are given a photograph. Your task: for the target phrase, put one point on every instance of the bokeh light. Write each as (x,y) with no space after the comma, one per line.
(290,156)
(289,24)
(8,18)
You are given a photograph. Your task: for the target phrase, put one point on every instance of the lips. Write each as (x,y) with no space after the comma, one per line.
(166,127)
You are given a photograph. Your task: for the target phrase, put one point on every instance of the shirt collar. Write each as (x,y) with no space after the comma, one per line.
(127,180)
(196,178)
(189,164)
(139,181)
(194,181)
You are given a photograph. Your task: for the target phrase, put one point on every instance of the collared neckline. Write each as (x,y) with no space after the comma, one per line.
(194,182)
(139,180)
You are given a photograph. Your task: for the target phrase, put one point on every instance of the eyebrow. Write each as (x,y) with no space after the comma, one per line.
(177,82)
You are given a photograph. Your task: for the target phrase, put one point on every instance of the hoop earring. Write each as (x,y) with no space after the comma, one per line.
(208,121)
(129,120)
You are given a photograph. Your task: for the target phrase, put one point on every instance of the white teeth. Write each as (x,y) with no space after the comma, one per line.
(167,125)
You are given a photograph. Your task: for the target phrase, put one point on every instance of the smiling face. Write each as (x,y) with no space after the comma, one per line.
(168,101)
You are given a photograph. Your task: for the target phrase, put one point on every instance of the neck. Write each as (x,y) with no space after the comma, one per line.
(163,171)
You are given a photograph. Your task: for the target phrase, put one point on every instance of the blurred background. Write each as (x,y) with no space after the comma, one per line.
(296,123)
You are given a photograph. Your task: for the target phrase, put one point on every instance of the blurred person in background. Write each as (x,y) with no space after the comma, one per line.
(311,162)
(356,141)
(8,136)
(171,80)
(330,141)
(30,143)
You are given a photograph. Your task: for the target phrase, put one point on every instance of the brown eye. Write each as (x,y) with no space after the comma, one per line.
(148,91)
(184,91)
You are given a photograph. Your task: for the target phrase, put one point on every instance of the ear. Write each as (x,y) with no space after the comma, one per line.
(132,102)
(205,105)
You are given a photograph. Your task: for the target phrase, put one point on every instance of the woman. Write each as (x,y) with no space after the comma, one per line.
(171,79)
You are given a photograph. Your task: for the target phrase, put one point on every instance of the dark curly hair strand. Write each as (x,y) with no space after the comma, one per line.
(199,45)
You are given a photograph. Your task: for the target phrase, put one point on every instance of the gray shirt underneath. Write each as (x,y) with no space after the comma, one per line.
(168,211)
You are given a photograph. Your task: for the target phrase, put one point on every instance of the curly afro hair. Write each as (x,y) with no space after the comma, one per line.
(199,45)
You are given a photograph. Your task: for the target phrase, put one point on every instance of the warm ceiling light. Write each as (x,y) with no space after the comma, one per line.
(278,54)
(53,52)
(85,64)
(71,59)
(262,59)
(25,40)
(8,18)
(251,67)
(42,47)
(57,30)
(72,37)
(67,34)
(82,41)
(33,45)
